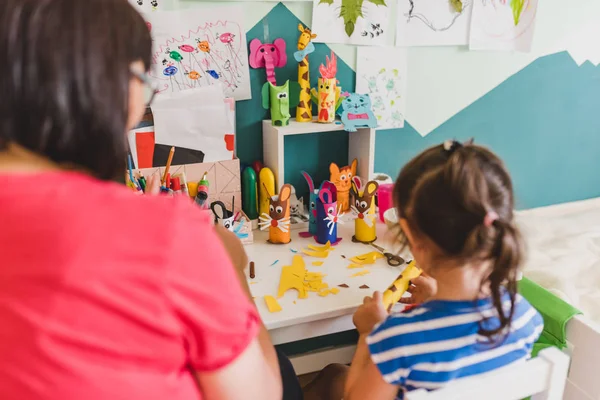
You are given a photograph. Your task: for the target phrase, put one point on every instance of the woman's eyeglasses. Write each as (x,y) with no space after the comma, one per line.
(149,89)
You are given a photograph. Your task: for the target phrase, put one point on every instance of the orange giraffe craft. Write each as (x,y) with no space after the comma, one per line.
(342,179)
(305,47)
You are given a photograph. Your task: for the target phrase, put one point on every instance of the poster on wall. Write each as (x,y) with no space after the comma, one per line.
(433,22)
(352,22)
(503,25)
(146,6)
(200,47)
(381,73)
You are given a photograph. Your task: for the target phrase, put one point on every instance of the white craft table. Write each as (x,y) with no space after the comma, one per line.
(316,316)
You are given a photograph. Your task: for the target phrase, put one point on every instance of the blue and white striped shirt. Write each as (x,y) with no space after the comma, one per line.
(439,341)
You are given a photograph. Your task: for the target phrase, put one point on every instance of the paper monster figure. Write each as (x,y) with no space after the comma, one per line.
(312,207)
(328,96)
(328,214)
(268,56)
(305,47)
(365,230)
(357,112)
(280,99)
(342,178)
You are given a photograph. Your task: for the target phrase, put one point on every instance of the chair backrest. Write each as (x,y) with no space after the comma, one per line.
(543,378)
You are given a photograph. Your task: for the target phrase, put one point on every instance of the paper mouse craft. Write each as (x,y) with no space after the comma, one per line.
(365,230)
(278,219)
(357,112)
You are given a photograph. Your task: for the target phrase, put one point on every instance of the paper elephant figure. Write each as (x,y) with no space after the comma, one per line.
(268,56)
(279,99)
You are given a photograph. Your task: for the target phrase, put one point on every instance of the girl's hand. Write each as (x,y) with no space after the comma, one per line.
(369,314)
(421,289)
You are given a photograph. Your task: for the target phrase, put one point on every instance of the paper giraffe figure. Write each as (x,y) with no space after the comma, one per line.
(328,214)
(268,56)
(365,230)
(305,47)
(327,97)
(357,112)
(342,179)
(312,207)
(278,219)
(279,99)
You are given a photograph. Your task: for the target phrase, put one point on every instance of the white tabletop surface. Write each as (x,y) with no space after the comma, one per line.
(315,307)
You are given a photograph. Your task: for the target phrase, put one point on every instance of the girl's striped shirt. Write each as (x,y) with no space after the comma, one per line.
(440,341)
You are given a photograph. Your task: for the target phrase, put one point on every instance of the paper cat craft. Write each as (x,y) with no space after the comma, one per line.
(312,206)
(357,112)
(341,178)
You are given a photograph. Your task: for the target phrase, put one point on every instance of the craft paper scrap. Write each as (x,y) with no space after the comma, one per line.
(433,22)
(272,304)
(365,22)
(503,25)
(361,273)
(381,73)
(193,119)
(199,47)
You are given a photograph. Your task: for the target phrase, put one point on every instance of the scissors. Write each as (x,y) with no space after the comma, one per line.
(392,259)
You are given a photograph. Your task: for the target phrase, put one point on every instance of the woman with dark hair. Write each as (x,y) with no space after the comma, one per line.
(106,295)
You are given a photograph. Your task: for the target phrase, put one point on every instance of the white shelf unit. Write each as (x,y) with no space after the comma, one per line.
(361,145)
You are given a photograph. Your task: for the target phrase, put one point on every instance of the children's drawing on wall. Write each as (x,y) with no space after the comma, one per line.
(196,48)
(503,25)
(381,73)
(364,22)
(433,22)
(144,6)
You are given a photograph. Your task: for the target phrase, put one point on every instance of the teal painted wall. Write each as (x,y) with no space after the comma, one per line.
(544,121)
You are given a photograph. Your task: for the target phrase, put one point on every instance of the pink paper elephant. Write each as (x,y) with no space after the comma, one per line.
(268,56)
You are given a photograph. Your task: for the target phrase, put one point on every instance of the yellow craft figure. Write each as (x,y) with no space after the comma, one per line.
(341,178)
(305,47)
(328,96)
(365,230)
(393,294)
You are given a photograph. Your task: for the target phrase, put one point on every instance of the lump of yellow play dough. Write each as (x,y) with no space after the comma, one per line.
(360,273)
(272,304)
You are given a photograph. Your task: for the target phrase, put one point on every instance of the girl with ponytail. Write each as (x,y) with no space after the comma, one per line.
(455,204)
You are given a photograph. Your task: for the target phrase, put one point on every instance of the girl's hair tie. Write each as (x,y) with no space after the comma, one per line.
(490,218)
(451,145)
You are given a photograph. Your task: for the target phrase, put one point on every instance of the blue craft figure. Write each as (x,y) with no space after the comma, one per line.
(357,112)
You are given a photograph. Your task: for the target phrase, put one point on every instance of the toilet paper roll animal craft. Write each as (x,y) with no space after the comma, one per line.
(342,177)
(279,99)
(312,207)
(357,112)
(305,47)
(268,56)
(365,228)
(223,215)
(327,96)
(278,219)
(328,214)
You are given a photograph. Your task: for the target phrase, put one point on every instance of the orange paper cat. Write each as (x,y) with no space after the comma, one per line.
(342,179)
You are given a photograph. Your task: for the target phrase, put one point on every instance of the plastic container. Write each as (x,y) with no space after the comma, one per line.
(385,198)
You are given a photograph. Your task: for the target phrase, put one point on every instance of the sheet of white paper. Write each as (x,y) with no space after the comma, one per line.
(381,72)
(198,47)
(372,28)
(432,23)
(145,6)
(502,25)
(193,119)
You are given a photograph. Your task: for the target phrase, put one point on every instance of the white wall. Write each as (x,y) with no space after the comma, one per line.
(444,80)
